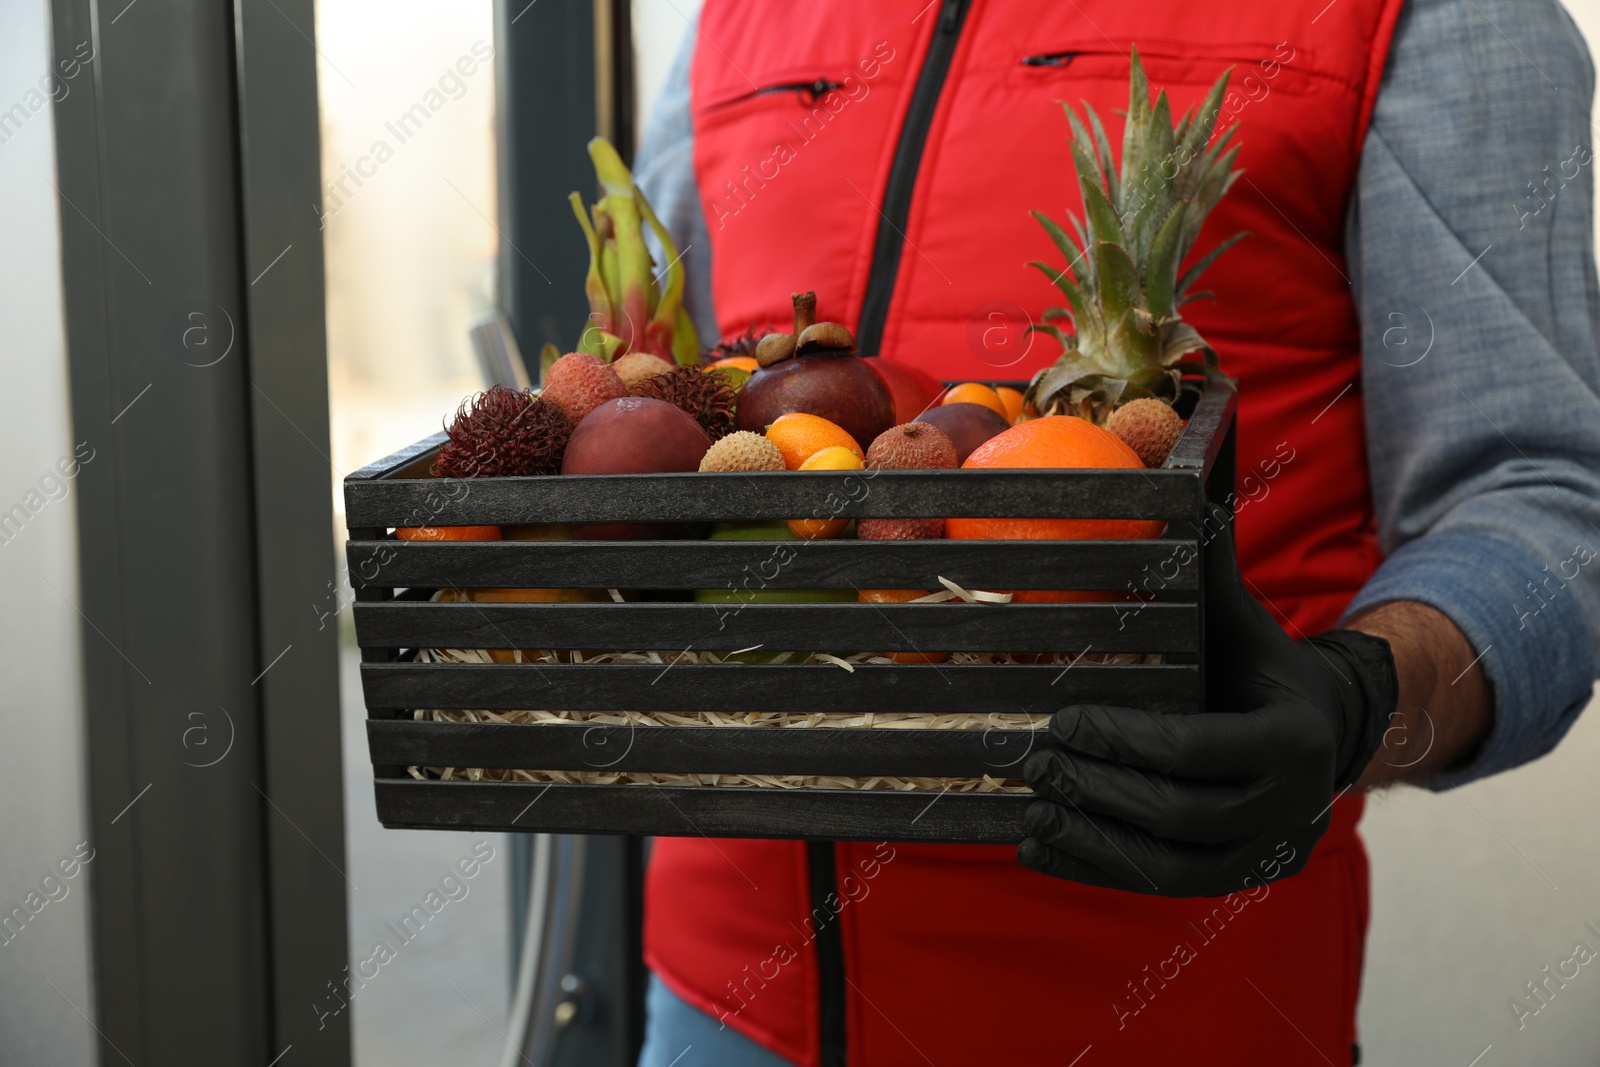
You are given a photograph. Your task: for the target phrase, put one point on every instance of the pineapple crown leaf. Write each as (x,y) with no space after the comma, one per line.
(1200,123)
(1101,217)
(1073,251)
(1162,267)
(1085,314)
(1065,373)
(1169,180)
(1199,266)
(1066,339)
(1120,291)
(1069,288)
(1123,281)
(1087,159)
(1102,144)
(1178,339)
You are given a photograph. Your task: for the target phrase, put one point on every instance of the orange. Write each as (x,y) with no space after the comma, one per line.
(901,596)
(747,364)
(448,533)
(974,393)
(1062,442)
(1012,400)
(832,458)
(800,436)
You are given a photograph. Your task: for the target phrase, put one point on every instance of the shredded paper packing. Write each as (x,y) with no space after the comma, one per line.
(755,719)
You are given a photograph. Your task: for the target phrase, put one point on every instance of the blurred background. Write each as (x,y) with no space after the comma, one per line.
(1474,892)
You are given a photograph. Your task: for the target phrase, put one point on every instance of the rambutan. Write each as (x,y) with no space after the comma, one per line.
(740,344)
(707,396)
(503,432)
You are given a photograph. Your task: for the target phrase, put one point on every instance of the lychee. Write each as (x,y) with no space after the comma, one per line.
(899,529)
(912,446)
(635,367)
(742,451)
(577,383)
(909,446)
(1148,426)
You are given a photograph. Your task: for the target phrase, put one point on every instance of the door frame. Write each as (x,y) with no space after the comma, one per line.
(188,172)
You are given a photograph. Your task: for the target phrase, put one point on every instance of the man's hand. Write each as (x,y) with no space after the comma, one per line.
(1192,805)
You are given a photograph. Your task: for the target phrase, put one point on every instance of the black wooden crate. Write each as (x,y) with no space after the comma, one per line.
(393,619)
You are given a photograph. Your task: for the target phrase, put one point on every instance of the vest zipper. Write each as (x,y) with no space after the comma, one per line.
(886,251)
(825,902)
(889,244)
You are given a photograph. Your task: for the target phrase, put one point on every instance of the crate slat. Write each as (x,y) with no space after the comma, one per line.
(411,461)
(1119,627)
(800,689)
(704,811)
(846,752)
(775,564)
(1201,440)
(692,497)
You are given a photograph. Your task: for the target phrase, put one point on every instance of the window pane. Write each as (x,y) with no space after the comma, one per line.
(408,154)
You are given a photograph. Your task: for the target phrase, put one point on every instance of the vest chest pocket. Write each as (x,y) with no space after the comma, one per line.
(816,92)
(1259,69)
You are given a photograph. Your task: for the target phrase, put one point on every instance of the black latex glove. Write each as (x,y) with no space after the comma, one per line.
(1207,804)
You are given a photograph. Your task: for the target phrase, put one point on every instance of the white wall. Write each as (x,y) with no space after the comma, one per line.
(42,802)
(658,29)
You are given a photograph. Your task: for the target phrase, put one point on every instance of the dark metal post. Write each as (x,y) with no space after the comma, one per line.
(192,276)
(280,182)
(546,112)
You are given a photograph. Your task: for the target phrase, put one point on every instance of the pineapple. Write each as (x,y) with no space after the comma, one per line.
(1126,339)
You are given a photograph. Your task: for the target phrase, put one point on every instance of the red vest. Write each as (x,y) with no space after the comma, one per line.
(957,954)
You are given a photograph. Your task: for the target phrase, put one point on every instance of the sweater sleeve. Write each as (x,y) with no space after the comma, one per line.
(1470,239)
(664,171)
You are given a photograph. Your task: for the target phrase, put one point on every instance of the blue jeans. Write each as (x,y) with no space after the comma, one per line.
(679,1035)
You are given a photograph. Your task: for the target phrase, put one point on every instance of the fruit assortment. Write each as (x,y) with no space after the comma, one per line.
(590,420)
(640,396)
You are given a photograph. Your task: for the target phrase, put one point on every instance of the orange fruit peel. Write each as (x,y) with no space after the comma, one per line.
(1012,400)
(976,393)
(448,533)
(800,436)
(1055,442)
(832,458)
